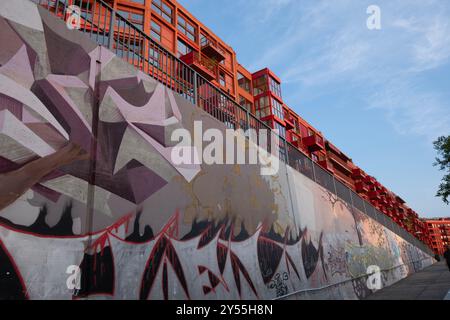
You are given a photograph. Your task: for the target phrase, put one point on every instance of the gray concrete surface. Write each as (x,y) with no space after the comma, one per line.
(432,283)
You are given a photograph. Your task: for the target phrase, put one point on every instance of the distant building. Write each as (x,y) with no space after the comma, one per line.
(439,233)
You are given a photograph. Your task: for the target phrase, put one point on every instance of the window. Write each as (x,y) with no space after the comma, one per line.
(262,107)
(163,10)
(183,48)
(138,1)
(153,57)
(262,103)
(222,81)
(203,40)
(277,109)
(245,103)
(186,28)
(135,18)
(281,129)
(260,85)
(155,31)
(275,87)
(243,82)
(131,51)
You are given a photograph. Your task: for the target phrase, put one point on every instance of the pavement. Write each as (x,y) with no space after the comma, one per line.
(432,283)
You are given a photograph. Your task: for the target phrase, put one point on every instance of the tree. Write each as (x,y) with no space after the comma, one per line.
(442,146)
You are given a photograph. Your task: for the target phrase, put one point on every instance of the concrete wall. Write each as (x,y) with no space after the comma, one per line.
(134,225)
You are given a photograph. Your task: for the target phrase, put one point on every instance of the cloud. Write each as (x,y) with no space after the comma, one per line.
(420,114)
(321,46)
(430,36)
(434,48)
(263,10)
(341,55)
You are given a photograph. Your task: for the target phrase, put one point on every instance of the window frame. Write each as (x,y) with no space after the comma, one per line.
(159,6)
(275,87)
(246,83)
(184,44)
(222,79)
(277,108)
(128,15)
(183,28)
(154,31)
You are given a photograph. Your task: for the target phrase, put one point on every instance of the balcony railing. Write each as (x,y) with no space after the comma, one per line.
(210,49)
(342,164)
(358,174)
(108,28)
(314,142)
(207,67)
(326,164)
(361,187)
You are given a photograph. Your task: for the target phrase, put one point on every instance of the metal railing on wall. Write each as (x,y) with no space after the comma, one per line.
(110,29)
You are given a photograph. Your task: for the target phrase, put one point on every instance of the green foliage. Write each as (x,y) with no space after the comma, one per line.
(442,146)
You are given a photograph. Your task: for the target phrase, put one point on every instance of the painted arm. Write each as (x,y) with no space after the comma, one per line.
(15,183)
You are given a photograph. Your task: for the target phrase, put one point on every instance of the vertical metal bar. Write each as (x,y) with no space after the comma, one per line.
(98,24)
(57,6)
(364,205)
(111,29)
(134,46)
(286,153)
(334,184)
(314,170)
(168,80)
(196,102)
(351,199)
(128,35)
(163,70)
(94,5)
(153,58)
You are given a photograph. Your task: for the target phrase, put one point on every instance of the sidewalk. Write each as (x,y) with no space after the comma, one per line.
(432,283)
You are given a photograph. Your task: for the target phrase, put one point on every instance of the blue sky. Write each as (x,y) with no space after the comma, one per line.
(381,96)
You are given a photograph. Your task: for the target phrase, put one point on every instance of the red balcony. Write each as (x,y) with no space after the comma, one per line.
(210,50)
(361,187)
(289,122)
(297,143)
(340,163)
(370,181)
(374,195)
(203,65)
(358,174)
(314,143)
(391,214)
(326,165)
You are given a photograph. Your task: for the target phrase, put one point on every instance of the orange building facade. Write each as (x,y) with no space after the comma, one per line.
(439,233)
(180,33)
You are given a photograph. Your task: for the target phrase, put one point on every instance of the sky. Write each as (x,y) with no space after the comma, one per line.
(381,96)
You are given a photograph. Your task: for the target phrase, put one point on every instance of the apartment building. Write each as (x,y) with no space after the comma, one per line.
(439,233)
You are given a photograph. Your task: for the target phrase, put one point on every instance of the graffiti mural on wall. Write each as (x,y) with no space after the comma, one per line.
(86,180)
